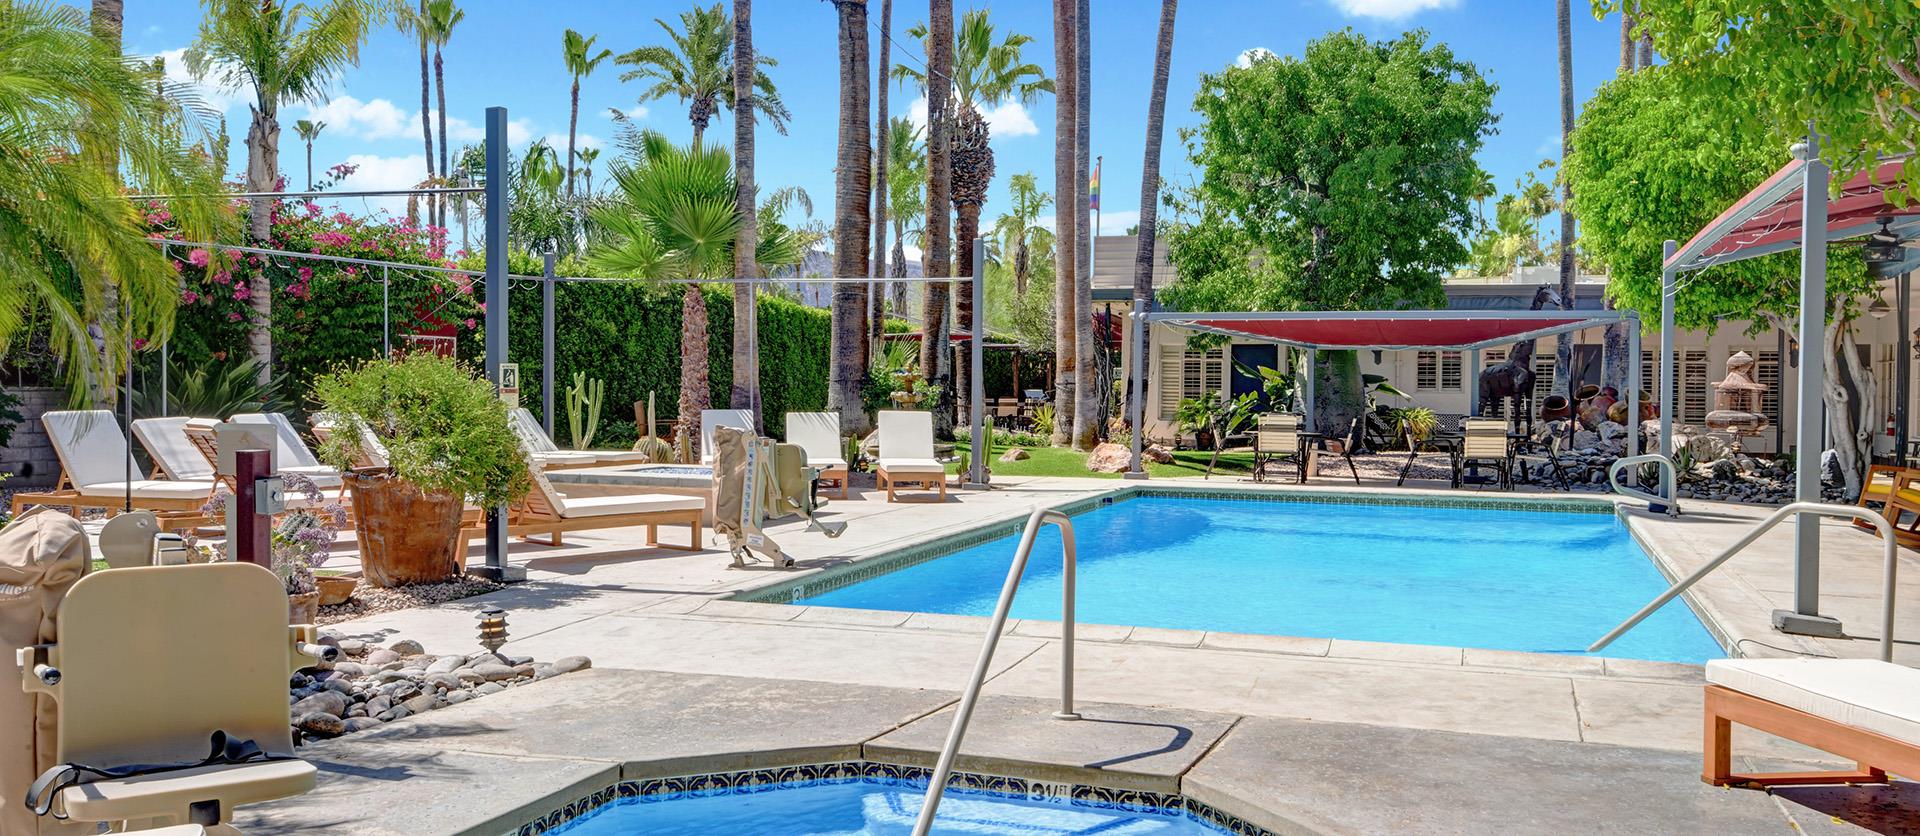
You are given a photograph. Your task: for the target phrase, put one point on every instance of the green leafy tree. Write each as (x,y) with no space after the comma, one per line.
(1338,181)
(698,69)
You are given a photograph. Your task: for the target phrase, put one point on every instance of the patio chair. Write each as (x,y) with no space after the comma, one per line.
(290,452)
(1525,454)
(1878,487)
(173,453)
(541,448)
(205,437)
(373,454)
(124,626)
(1277,439)
(740,419)
(545,510)
(1354,442)
(1902,498)
(1860,709)
(818,433)
(94,463)
(906,454)
(1484,444)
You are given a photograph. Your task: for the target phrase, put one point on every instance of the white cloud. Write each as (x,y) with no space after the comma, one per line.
(580,140)
(1390,9)
(376,119)
(1008,120)
(210,94)
(1248,56)
(1116,223)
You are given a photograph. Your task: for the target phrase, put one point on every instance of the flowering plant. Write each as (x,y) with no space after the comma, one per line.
(303,539)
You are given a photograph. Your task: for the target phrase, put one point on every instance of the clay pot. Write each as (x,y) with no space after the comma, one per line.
(406,535)
(303,608)
(334,589)
(1553,408)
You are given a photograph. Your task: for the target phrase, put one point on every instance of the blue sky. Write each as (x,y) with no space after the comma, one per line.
(507,52)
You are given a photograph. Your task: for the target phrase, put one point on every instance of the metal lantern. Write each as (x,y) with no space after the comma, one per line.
(493,628)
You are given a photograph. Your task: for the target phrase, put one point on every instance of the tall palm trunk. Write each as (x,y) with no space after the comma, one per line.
(935,359)
(746,388)
(439,202)
(1563,346)
(426,90)
(309,165)
(263,175)
(107,19)
(573,129)
(972,171)
(1067,315)
(852,192)
(877,301)
(1646,42)
(695,389)
(1092,398)
(1149,206)
(897,291)
(1627,46)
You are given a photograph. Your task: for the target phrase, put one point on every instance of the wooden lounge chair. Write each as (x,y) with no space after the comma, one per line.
(204,435)
(542,450)
(290,451)
(122,626)
(173,453)
(740,419)
(372,455)
(1864,710)
(1878,488)
(906,454)
(1484,443)
(1277,440)
(94,463)
(818,433)
(545,510)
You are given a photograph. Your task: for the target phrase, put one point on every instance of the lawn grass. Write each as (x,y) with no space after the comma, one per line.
(1060,461)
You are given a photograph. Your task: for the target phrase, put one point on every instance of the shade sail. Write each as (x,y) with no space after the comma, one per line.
(1392,329)
(1767,219)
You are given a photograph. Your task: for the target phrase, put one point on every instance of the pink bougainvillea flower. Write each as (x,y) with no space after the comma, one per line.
(241,292)
(189,297)
(306,274)
(139,344)
(199,258)
(233,316)
(471,323)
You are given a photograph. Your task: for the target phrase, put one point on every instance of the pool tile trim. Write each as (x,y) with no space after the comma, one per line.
(712,784)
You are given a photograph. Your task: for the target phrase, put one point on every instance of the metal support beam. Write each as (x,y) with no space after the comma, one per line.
(1139,345)
(976,362)
(1903,367)
(495,241)
(1669,397)
(1805,617)
(1306,400)
(1473,383)
(546,344)
(386,308)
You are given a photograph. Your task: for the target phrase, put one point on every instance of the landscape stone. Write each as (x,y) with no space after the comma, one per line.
(1015,454)
(446,664)
(407,647)
(354,724)
(486,688)
(324,702)
(494,671)
(569,664)
(353,647)
(321,724)
(380,658)
(1109,457)
(421,704)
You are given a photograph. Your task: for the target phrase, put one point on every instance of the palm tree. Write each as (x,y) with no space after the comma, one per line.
(935,365)
(442,17)
(1018,233)
(417,23)
(906,196)
(586,156)
(698,70)
(1480,192)
(1067,315)
(574,50)
(286,54)
(1149,200)
(67,231)
(853,188)
(876,301)
(672,216)
(985,75)
(541,167)
(1092,400)
(309,130)
(1563,346)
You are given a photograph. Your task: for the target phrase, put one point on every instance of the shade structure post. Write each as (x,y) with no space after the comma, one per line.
(1903,367)
(1669,393)
(1139,343)
(1306,402)
(976,362)
(546,340)
(1473,383)
(496,567)
(386,313)
(1805,616)
(1633,394)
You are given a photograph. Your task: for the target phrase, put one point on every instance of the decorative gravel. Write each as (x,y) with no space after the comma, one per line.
(369,599)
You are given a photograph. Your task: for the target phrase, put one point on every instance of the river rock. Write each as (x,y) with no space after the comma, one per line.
(353,647)
(489,688)
(446,664)
(1015,454)
(380,658)
(323,702)
(321,724)
(569,664)
(1157,453)
(422,704)
(444,681)
(354,724)
(468,676)
(458,697)
(407,647)
(379,704)
(494,671)
(1109,458)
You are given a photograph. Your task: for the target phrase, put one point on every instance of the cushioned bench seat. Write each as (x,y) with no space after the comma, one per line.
(1865,710)
(148,489)
(600,506)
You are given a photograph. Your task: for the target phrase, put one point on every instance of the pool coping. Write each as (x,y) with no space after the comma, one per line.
(773,599)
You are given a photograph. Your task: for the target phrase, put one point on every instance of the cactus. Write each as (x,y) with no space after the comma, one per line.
(583,408)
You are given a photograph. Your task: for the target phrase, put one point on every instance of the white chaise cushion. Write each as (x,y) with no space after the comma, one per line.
(1868,694)
(148,489)
(550,458)
(711,419)
(606,506)
(912,466)
(619,456)
(89,444)
(906,435)
(290,449)
(166,440)
(827,464)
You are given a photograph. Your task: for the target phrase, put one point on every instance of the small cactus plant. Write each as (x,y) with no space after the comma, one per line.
(583,408)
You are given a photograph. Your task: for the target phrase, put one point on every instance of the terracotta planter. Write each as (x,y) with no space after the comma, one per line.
(303,608)
(334,589)
(406,535)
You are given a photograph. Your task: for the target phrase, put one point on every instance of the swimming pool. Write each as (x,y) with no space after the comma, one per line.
(1545,581)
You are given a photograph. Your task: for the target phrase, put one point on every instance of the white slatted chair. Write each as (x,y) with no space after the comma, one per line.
(906,453)
(540,446)
(174,454)
(290,454)
(818,433)
(739,419)
(547,511)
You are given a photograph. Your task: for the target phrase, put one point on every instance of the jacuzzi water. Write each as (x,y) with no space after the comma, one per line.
(1542,581)
(870,806)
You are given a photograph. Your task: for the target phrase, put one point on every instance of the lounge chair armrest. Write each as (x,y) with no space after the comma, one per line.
(304,649)
(37,670)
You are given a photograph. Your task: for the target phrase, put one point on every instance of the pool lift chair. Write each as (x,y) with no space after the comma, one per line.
(755,479)
(205,730)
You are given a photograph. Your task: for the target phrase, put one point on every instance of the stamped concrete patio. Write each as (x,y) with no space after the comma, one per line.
(1297,734)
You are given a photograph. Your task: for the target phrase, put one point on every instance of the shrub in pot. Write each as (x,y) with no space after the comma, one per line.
(446,439)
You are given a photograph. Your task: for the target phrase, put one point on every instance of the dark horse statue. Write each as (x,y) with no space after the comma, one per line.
(1513,379)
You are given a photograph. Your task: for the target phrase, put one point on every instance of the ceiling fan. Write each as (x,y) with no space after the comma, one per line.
(1886,253)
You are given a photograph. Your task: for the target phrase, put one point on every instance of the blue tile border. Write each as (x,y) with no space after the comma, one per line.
(707,785)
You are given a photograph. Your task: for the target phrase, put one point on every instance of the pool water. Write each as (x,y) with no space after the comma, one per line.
(1541,581)
(870,806)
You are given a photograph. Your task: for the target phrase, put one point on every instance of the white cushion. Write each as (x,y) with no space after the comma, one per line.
(553,457)
(906,435)
(818,433)
(1868,694)
(166,440)
(827,464)
(740,419)
(530,431)
(619,456)
(912,466)
(606,506)
(322,476)
(89,444)
(290,451)
(148,489)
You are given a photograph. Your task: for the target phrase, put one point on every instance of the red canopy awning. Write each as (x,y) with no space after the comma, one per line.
(1767,219)
(1392,329)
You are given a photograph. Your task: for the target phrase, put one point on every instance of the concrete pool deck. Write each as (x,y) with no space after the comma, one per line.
(665,614)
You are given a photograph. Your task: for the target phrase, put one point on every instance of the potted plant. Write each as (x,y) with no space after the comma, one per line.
(446,439)
(1414,424)
(1196,415)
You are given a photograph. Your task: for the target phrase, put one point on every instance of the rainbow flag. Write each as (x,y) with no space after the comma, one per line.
(1093,189)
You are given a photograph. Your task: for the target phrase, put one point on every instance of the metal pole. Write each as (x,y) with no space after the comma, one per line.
(1903,370)
(1633,392)
(1669,398)
(386,313)
(1472,382)
(252,531)
(1805,616)
(546,343)
(166,356)
(126,398)
(1780,393)
(976,361)
(495,241)
(1139,343)
(1306,402)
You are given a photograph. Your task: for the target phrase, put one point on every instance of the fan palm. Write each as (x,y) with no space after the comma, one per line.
(62,210)
(698,69)
(581,61)
(586,157)
(1018,233)
(414,21)
(285,53)
(442,17)
(907,196)
(309,130)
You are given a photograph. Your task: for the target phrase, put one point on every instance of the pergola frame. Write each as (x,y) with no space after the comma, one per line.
(1552,323)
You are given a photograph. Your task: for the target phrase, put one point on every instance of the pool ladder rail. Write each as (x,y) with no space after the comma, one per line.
(1890,566)
(943,769)
(1668,502)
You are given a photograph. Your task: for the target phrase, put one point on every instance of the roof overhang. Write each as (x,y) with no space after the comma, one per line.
(1336,330)
(1767,219)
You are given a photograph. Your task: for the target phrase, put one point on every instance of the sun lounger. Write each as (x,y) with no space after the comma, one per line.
(1485,443)
(906,453)
(290,452)
(94,463)
(541,448)
(545,510)
(710,418)
(1882,483)
(1864,710)
(818,433)
(174,454)
(373,454)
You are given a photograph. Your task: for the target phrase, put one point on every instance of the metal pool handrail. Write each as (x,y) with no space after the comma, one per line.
(1669,478)
(937,783)
(1888,572)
